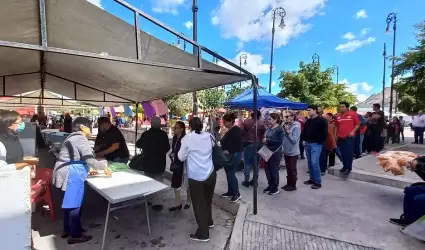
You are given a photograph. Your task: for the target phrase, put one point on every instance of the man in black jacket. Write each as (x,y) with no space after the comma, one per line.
(414,196)
(314,136)
(155,145)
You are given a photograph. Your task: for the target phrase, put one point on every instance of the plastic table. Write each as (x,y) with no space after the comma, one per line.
(124,186)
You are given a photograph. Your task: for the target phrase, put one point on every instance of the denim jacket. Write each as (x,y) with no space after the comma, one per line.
(274,137)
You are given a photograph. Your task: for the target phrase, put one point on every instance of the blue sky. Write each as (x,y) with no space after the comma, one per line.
(346,33)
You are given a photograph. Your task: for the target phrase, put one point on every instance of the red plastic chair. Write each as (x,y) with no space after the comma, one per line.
(45,175)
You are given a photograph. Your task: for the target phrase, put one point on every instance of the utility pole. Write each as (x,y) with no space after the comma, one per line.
(195,49)
(384,55)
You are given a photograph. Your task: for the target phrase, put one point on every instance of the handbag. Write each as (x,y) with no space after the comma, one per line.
(137,162)
(219,159)
(266,153)
(174,166)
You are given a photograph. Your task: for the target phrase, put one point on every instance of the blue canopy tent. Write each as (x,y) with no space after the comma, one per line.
(265,100)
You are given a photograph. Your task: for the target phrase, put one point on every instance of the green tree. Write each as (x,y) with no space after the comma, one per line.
(211,99)
(179,105)
(312,86)
(411,89)
(234,91)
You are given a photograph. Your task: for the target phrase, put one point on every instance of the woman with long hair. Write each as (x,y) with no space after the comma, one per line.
(179,173)
(231,144)
(196,148)
(273,141)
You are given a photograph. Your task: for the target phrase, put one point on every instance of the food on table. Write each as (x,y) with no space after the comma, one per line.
(395,161)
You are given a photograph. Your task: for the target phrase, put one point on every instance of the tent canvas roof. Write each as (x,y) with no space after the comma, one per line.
(91,55)
(265,100)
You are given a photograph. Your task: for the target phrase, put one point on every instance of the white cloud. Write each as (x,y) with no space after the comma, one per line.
(364,31)
(361,14)
(166,6)
(360,89)
(239,46)
(188,25)
(352,45)
(251,20)
(273,83)
(319,43)
(254,64)
(215,20)
(349,36)
(96,2)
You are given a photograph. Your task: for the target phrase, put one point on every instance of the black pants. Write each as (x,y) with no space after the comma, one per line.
(419,134)
(331,157)
(375,139)
(272,170)
(202,193)
(301,147)
(401,133)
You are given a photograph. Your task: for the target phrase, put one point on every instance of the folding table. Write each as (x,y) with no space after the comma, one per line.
(124,186)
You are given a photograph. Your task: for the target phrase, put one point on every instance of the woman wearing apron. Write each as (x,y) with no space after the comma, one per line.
(75,161)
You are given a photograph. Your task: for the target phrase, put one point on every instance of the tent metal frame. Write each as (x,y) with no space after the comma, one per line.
(44,48)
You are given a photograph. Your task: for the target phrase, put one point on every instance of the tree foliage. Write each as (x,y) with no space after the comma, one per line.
(234,91)
(179,105)
(312,86)
(211,99)
(411,89)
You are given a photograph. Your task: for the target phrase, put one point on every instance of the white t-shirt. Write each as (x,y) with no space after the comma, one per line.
(419,121)
(197,150)
(3,164)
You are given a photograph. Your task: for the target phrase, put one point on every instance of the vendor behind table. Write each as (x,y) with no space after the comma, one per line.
(75,162)
(110,143)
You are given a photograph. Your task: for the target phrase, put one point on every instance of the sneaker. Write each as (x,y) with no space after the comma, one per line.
(274,192)
(235,198)
(245,183)
(323,173)
(316,186)
(211,226)
(268,189)
(196,238)
(400,222)
(289,188)
(286,186)
(82,239)
(227,195)
(342,170)
(309,182)
(251,183)
(347,172)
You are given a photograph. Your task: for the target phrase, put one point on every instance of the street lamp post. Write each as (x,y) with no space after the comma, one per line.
(335,69)
(384,55)
(244,57)
(195,49)
(316,58)
(278,12)
(392,17)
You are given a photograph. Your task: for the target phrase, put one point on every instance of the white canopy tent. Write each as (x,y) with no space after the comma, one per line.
(78,50)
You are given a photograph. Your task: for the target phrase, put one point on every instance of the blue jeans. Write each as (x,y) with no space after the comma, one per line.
(313,151)
(248,155)
(361,143)
(272,170)
(414,203)
(346,147)
(72,222)
(232,181)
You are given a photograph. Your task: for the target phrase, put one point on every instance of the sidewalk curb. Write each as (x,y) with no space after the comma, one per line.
(236,239)
(385,180)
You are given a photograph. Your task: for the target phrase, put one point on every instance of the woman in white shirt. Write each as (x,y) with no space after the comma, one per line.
(11,152)
(196,148)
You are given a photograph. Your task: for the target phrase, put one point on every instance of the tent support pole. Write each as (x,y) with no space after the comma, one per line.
(254,98)
(137,29)
(4,85)
(137,127)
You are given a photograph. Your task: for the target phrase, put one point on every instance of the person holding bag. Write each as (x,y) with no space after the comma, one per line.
(273,142)
(197,149)
(231,144)
(177,167)
(291,149)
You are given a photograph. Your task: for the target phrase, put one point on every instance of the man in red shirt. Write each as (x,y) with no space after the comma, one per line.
(347,123)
